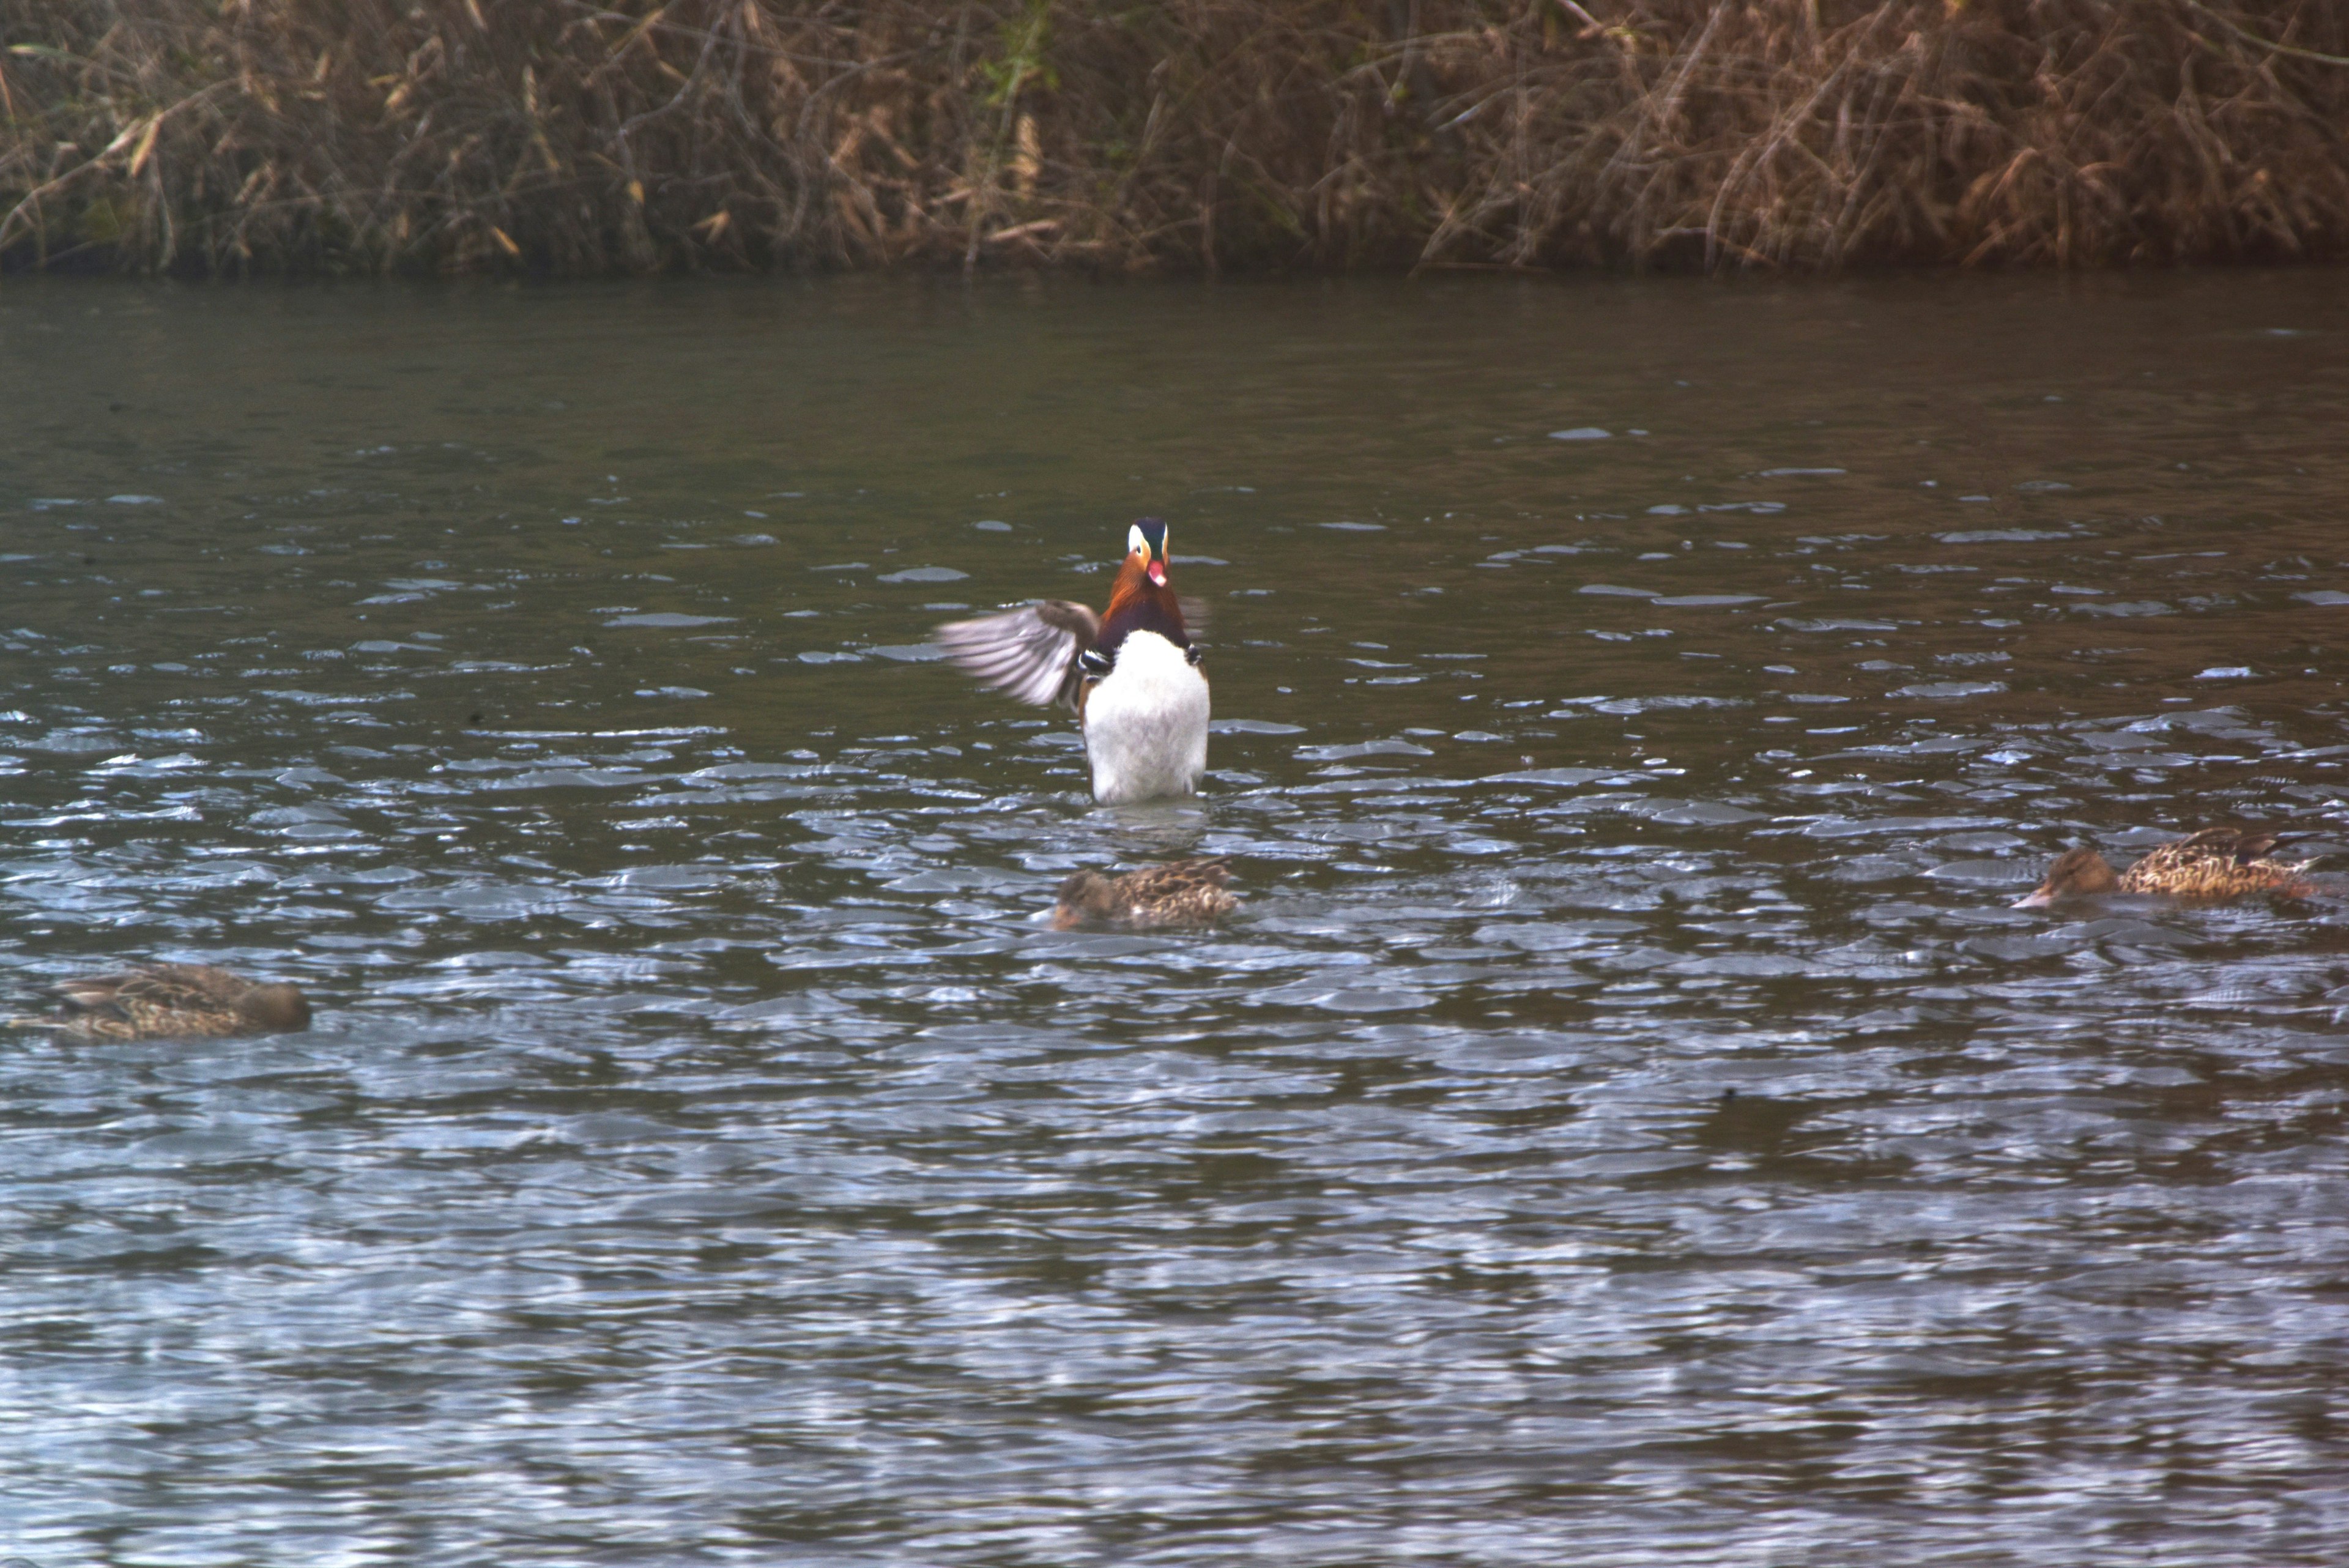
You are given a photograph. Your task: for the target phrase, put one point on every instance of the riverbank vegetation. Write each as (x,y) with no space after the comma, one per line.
(571,137)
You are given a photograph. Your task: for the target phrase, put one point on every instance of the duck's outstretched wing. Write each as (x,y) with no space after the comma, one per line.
(1031,652)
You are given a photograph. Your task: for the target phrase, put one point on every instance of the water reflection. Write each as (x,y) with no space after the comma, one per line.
(1624,1115)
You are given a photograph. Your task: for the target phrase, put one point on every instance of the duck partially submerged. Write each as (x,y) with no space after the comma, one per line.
(1179,893)
(2215,864)
(1132,673)
(161,1001)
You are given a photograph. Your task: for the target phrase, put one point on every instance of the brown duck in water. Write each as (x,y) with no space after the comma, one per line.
(1179,893)
(160,1001)
(2214,864)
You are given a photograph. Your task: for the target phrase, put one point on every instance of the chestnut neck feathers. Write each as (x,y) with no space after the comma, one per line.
(1138,604)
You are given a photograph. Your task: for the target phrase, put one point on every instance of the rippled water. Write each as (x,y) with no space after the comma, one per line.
(1624,1124)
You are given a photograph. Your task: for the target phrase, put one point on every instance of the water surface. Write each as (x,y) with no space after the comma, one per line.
(1625,1123)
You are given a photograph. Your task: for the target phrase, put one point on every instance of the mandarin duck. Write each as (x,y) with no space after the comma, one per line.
(1132,673)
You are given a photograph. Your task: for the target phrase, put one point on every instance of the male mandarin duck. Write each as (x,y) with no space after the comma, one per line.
(2214,864)
(166,1000)
(1130,673)
(1179,893)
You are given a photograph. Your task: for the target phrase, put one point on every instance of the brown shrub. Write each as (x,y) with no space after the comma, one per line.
(574,138)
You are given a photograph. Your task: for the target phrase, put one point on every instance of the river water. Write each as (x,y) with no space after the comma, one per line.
(1623,1124)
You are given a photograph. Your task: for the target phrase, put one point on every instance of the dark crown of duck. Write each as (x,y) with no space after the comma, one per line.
(1142,601)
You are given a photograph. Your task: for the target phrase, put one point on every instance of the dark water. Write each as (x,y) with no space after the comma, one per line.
(705,1154)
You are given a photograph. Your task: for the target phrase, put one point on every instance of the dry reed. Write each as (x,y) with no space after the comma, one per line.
(567,137)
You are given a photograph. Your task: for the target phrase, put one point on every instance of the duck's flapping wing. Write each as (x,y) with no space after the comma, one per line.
(1031,652)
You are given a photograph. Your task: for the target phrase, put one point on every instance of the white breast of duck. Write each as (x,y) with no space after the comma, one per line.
(1146,723)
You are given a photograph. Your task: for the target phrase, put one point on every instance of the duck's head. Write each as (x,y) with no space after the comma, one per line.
(1085,896)
(280,1008)
(2077,874)
(1146,546)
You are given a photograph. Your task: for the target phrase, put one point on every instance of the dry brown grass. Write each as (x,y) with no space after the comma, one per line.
(568,137)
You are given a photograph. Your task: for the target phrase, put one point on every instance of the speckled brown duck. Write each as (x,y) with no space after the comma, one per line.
(2216,864)
(163,1000)
(1179,893)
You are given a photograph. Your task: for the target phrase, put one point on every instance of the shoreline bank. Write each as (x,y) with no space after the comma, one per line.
(574,140)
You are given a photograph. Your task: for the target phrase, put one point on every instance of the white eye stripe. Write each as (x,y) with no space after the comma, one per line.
(1134,541)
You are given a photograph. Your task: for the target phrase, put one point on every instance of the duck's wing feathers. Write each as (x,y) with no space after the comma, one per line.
(1180,893)
(1031,652)
(2240,845)
(99,994)
(2251,846)
(1175,877)
(162,985)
